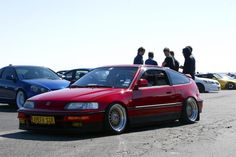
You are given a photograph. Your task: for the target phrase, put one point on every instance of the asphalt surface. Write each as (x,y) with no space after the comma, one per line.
(213,136)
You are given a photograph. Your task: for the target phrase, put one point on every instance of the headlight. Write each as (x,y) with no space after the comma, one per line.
(38,89)
(82,106)
(29,104)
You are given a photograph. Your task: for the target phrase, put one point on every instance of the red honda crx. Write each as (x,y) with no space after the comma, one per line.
(113,98)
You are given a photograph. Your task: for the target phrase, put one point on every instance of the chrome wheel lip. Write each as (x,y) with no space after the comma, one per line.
(192,110)
(230,85)
(20,99)
(117,117)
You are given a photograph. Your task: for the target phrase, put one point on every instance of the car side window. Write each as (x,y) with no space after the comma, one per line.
(8,73)
(178,78)
(69,75)
(155,77)
(0,73)
(80,74)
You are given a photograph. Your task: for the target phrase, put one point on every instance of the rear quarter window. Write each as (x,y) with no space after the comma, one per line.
(177,78)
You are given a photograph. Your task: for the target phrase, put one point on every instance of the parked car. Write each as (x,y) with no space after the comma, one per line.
(18,83)
(207,85)
(233,75)
(225,81)
(62,72)
(75,74)
(113,98)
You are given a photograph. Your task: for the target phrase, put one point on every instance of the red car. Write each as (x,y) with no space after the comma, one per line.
(114,97)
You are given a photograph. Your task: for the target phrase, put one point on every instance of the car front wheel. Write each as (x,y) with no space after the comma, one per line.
(201,88)
(20,98)
(190,111)
(116,119)
(230,85)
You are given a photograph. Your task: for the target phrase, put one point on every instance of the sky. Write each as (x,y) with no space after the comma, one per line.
(68,34)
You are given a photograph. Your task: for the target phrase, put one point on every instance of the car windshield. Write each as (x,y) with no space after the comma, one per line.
(26,73)
(113,77)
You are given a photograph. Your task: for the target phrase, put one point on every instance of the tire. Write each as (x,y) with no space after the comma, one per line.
(12,105)
(190,111)
(20,98)
(201,88)
(116,119)
(230,85)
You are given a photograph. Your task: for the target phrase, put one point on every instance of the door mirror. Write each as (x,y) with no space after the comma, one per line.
(11,77)
(141,83)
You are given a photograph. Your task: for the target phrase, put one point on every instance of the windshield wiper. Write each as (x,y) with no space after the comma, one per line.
(98,86)
(90,86)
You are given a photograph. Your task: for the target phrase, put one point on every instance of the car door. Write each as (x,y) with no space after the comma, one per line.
(8,83)
(156,102)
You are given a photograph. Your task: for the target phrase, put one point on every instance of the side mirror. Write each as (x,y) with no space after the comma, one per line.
(188,75)
(141,83)
(11,77)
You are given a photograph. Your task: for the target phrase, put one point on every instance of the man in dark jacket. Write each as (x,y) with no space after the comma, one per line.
(150,60)
(139,58)
(169,61)
(189,63)
(175,60)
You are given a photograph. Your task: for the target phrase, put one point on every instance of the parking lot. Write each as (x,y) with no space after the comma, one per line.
(214,136)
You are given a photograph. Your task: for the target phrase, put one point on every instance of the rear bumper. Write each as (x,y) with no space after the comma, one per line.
(80,123)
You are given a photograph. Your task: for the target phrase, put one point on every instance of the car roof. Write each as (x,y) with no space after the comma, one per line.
(134,65)
(22,66)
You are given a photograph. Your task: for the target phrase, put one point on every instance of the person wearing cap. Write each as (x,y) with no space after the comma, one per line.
(150,60)
(139,58)
(169,61)
(189,63)
(175,60)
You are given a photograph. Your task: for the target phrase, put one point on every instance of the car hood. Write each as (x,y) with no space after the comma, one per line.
(76,94)
(227,80)
(50,84)
(204,79)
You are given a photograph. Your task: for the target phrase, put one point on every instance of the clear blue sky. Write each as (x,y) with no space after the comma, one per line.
(66,34)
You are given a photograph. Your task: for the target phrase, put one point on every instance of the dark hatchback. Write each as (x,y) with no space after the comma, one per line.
(75,74)
(18,83)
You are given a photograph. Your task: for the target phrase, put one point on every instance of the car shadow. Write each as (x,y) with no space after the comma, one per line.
(58,136)
(7,108)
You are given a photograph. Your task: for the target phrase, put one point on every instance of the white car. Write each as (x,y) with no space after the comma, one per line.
(207,85)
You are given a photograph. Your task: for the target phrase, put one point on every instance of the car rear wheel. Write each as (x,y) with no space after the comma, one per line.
(20,98)
(201,88)
(230,85)
(190,111)
(116,119)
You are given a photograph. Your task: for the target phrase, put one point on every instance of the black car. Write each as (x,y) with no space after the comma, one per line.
(75,74)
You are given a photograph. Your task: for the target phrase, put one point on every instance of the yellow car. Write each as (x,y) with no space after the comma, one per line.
(225,81)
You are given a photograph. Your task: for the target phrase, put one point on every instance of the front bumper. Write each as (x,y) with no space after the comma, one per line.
(75,122)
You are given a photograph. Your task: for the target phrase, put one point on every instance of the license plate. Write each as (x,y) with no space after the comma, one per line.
(47,120)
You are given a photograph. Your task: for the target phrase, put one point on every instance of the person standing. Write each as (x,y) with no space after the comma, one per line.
(169,61)
(150,60)
(139,58)
(176,62)
(189,63)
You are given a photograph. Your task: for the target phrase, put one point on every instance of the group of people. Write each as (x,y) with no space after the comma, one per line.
(170,61)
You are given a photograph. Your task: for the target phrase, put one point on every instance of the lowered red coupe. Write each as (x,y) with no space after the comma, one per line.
(114,97)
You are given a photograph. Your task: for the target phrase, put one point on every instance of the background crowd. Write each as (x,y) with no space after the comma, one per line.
(170,61)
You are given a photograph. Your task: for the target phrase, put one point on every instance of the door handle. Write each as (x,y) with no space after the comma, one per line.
(168,92)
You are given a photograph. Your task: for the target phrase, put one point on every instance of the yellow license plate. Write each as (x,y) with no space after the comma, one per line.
(43,120)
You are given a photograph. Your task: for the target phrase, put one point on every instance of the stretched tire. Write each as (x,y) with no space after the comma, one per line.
(201,88)
(230,85)
(116,119)
(190,111)
(20,98)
